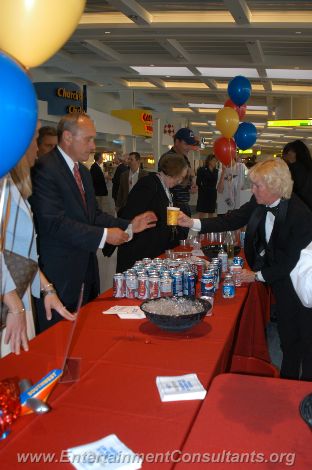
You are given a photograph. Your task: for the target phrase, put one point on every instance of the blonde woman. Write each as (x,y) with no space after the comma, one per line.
(20,239)
(279,226)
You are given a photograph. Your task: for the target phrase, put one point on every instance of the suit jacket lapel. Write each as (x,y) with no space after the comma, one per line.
(280,218)
(252,234)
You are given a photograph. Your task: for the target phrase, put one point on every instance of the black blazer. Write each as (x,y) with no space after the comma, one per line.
(147,195)
(68,234)
(291,233)
(98,179)
(116,179)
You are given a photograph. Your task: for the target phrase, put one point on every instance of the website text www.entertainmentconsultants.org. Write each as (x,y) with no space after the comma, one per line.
(174,456)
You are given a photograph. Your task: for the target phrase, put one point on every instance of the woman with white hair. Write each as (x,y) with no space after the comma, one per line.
(279,226)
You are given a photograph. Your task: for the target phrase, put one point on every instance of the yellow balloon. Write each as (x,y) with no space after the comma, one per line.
(33,30)
(227,121)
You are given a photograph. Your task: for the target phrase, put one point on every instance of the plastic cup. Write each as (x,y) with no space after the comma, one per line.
(172,215)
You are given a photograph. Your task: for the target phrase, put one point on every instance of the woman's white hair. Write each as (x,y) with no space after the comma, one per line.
(276,176)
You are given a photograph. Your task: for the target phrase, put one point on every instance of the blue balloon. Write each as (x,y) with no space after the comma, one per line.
(239,89)
(245,136)
(18,107)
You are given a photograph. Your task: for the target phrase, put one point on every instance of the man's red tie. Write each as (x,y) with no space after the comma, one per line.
(79,183)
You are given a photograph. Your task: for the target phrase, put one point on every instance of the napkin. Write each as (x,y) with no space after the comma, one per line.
(109,453)
(125,312)
(180,387)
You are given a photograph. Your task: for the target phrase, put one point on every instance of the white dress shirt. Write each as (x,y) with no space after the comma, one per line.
(133,178)
(301,276)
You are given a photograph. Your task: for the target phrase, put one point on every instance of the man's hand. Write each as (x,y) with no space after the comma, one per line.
(184,220)
(116,236)
(248,276)
(143,221)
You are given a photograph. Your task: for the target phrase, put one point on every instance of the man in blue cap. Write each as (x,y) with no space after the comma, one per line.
(183,141)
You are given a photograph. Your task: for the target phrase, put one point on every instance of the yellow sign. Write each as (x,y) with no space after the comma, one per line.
(290,123)
(243,152)
(140,120)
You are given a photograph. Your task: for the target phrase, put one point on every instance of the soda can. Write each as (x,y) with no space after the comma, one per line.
(238,261)
(130,272)
(200,267)
(143,287)
(146,260)
(228,288)
(154,287)
(131,287)
(189,284)
(215,267)
(177,284)
(207,283)
(119,285)
(166,286)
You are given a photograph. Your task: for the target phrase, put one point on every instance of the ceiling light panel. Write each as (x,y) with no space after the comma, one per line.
(134,84)
(191,85)
(227,72)
(181,110)
(289,74)
(159,71)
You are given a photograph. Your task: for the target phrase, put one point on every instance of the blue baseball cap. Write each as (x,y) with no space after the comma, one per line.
(187,135)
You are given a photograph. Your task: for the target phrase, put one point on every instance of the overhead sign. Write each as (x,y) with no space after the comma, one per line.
(290,123)
(62,97)
(140,120)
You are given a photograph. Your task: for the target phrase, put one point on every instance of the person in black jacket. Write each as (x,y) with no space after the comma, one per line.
(118,172)
(152,193)
(297,155)
(207,177)
(279,226)
(98,180)
(69,224)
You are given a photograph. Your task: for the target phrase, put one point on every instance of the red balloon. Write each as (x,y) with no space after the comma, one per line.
(225,150)
(241,110)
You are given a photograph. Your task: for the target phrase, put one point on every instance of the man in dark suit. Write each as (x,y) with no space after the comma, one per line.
(279,226)
(129,178)
(121,168)
(69,224)
(98,179)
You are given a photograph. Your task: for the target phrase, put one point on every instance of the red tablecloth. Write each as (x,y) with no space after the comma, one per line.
(250,418)
(116,392)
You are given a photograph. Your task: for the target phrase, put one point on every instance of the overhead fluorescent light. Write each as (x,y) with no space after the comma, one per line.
(254,86)
(205,132)
(281,16)
(173,71)
(199,124)
(204,105)
(256,113)
(138,84)
(192,17)
(104,18)
(289,74)
(290,88)
(227,72)
(207,110)
(181,110)
(267,134)
(190,85)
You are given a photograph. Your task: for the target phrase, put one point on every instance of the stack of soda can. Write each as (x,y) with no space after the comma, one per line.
(211,278)
(150,279)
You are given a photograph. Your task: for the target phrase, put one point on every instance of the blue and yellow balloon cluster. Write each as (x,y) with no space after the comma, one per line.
(31,31)
(234,134)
